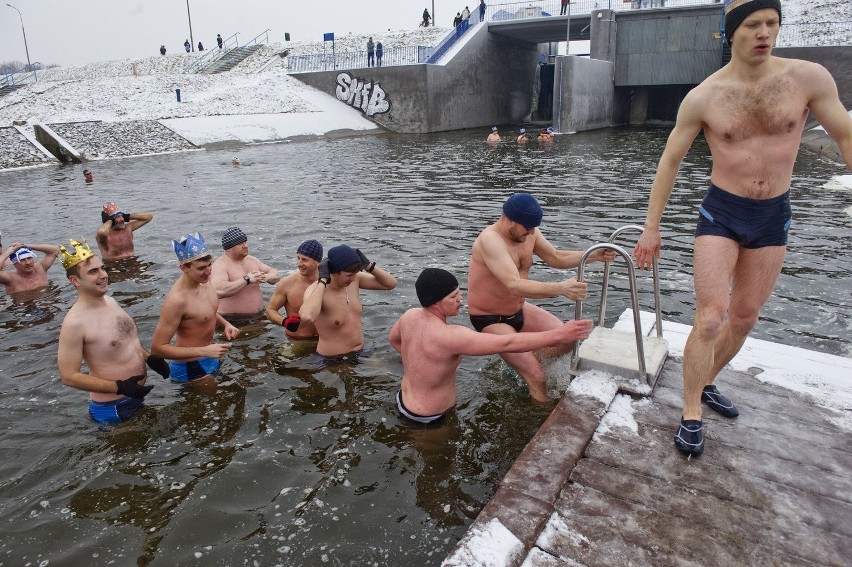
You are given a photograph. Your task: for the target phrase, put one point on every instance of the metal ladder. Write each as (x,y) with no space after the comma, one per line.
(634,297)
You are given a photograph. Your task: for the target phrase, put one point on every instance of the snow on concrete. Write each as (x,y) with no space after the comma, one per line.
(595,384)
(824,378)
(491,545)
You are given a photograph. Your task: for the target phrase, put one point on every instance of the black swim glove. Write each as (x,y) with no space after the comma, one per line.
(366,265)
(131,387)
(324,272)
(126,217)
(104,217)
(159,365)
(292,323)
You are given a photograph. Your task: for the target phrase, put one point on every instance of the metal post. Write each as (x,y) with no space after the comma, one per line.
(26,48)
(189,17)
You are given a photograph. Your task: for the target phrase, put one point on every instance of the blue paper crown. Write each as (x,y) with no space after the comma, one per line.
(192,249)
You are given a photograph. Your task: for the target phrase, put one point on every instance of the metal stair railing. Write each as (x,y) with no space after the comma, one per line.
(634,296)
(213,54)
(256,39)
(450,40)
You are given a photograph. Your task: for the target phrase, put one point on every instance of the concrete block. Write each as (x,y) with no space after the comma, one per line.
(614,352)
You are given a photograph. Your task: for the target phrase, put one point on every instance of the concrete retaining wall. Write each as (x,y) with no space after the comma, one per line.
(838,61)
(583,96)
(662,48)
(489,81)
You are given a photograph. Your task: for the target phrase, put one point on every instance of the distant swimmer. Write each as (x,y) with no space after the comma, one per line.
(523,137)
(237,276)
(498,283)
(115,235)
(432,350)
(236,161)
(494,136)
(290,292)
(96,330)
(28,273)
(333,304)
(546,135)
(87,175)
(189,316)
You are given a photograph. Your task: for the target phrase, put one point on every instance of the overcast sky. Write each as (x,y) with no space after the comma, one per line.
(69,32)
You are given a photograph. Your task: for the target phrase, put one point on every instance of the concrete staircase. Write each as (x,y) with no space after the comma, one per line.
(230,60)
(8,89)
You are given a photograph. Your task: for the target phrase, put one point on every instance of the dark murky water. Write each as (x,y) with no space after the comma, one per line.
(290,465)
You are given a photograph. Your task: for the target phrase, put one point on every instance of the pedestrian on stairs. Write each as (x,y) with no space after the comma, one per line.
(187,46)
(219,40)
(200,47)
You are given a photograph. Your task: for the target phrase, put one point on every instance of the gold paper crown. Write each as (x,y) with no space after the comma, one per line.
(82,252)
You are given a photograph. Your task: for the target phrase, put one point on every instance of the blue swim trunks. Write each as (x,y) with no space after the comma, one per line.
(193,369)
(115,411)
(752,223)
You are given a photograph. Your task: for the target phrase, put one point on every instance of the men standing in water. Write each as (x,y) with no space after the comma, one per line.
(29,273)
(100,332)
(432,350)
(115,235)
(290,292)
(498,283)
(237,276)
(494,136)
(752,112)
(333,304)
(189,314)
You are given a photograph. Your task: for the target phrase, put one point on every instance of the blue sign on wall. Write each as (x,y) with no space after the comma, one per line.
(328,37)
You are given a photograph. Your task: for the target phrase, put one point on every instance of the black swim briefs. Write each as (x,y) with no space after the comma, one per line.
(752,223)
(515,321)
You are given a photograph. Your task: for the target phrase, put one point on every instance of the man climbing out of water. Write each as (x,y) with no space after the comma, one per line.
(100,332)
(115,235)
(333,304)
(28,271)
(498,283)
(432,350)
(290,293)
(189,315)
(752,112)
(236,276)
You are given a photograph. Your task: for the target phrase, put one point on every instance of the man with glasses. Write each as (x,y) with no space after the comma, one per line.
(498,283)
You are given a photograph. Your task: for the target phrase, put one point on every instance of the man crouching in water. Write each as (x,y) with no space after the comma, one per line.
(432,350)
(189,314)
(100,332)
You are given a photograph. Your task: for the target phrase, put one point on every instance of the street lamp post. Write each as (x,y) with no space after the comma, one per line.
(26,48)
(189,17)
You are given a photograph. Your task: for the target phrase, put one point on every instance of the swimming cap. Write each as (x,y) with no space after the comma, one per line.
(232,237)
(738,10)
(433,285)
(523,130)
(310,248)
(550,129)
(523,209)
(494,128)
(342,257)
(21,253)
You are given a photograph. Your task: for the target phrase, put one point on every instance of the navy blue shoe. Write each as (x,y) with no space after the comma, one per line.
(689,439)
(718,403)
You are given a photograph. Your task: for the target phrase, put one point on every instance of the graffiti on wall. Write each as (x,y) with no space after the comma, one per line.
(367,96)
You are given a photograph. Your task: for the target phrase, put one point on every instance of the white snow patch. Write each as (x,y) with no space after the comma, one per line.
(558,532)
(491,545)
(595,384)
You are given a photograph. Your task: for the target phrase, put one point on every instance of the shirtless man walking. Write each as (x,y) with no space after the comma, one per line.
(237,276)
(752,112)
(189,315)
(333,304)
(29,273)
(115,235)
(432,350)
(290,293)
(498,283)
(100,332)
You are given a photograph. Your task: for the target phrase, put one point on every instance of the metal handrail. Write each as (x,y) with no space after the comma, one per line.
(634,298)
(256,39)
(213,54)
(655,274)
